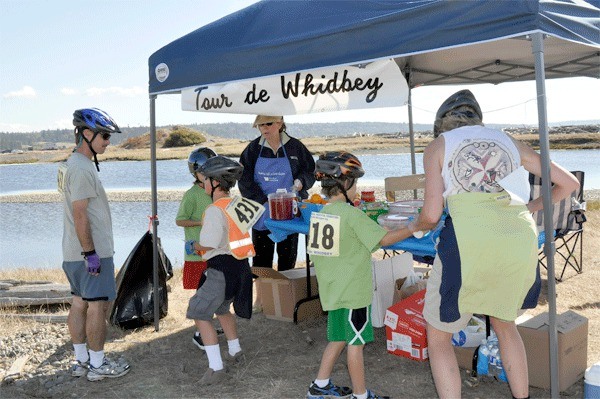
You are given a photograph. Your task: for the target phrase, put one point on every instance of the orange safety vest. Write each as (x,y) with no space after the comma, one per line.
(240,243)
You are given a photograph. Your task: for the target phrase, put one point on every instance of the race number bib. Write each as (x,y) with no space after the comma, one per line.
(324,235)
(62,174)
(244,212)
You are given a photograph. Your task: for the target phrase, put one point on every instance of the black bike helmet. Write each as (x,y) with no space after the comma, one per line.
(456,100)
(96,120)
(338,164)
(198,157)
(224,170)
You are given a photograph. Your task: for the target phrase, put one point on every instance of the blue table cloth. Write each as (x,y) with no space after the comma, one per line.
(424,246)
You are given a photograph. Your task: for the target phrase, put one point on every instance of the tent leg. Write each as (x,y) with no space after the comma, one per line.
(154,219)
(549,247)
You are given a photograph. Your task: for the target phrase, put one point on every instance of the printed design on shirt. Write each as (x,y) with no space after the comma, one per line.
(478,165)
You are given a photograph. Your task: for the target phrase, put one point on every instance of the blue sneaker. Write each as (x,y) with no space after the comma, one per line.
(372,395)
(330,391)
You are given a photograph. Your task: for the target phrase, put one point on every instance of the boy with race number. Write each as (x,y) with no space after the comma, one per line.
(226,245)
(341,240)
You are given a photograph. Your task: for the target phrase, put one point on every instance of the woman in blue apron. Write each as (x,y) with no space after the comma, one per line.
(274,161)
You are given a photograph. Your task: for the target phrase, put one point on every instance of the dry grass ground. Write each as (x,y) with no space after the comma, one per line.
(282,357)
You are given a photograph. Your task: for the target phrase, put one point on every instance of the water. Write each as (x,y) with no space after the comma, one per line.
(31,234)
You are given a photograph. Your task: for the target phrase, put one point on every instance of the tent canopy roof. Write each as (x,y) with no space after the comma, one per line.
(434,42)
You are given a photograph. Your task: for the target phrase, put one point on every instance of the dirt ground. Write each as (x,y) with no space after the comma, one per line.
(282,358)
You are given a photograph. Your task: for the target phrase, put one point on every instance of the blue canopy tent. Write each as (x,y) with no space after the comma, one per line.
(433,43)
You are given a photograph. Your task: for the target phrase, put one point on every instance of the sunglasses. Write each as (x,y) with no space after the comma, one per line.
(105,136)
(266,124)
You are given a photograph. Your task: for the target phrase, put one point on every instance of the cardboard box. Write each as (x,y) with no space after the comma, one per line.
(280,291)
(464,355)
(572,348)
(385,273)
(405,328)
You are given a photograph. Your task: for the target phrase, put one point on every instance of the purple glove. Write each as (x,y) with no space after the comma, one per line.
(92,261)
(189,247)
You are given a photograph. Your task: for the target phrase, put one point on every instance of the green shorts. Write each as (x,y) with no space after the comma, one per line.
(352,326)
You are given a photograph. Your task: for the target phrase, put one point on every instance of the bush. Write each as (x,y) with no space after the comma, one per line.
(183,137)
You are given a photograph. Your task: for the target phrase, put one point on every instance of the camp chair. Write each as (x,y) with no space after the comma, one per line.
(569,216)
(405,183)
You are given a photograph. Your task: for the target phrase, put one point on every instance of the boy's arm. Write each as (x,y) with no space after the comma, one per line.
(394,236)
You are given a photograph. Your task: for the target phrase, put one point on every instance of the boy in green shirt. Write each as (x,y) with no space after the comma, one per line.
(341,240)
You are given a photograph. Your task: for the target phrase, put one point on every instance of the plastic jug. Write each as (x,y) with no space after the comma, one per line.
(282,205)
(591,386)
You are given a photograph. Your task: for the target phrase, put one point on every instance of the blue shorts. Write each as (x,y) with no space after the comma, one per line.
(209,299)
(350,325)
(92,288)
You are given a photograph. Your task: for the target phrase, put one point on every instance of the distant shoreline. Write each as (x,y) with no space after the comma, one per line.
(176,195)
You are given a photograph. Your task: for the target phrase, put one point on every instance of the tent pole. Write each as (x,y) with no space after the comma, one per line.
(411,132)
(154,218)
(549,247)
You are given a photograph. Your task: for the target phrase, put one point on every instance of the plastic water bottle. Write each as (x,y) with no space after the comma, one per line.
(483,358)
(500,373)
(591,388)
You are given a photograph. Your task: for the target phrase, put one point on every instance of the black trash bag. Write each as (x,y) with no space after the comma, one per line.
(134,305)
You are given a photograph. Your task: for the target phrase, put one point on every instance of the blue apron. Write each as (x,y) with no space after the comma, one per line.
(271,174)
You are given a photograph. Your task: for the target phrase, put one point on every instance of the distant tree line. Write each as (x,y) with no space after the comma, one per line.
(242,131)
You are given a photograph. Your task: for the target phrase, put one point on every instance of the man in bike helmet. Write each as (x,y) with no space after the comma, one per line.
(342,238)
(227,279)
(189,216)
(88,246)
(89,124)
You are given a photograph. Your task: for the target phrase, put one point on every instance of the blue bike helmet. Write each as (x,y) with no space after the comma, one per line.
(96,120)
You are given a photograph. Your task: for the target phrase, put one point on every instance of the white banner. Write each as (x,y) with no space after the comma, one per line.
(375,85)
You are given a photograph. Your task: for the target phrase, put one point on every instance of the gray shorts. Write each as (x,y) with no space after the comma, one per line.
(92,288)
(209,299)
(431,310)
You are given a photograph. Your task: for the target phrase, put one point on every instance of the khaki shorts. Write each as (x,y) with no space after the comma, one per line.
(431,310)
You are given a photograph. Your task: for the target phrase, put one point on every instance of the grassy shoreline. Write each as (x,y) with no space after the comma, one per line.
(360,145)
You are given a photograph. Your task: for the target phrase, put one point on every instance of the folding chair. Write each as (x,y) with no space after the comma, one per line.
(405,183)
(568,216)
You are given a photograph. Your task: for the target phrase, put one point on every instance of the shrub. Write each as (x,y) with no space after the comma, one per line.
(183,137)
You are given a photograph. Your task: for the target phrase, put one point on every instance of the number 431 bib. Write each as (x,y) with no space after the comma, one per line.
(324,235)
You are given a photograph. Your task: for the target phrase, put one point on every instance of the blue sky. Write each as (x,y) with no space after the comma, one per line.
(60,55)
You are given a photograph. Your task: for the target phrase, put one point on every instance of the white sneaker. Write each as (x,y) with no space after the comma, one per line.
(108,369)
(79,369)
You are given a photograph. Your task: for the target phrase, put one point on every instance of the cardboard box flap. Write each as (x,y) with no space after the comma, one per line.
(267,272)
(564,322)
(297,273)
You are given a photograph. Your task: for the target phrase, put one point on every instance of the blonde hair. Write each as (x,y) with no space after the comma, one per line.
(452,121)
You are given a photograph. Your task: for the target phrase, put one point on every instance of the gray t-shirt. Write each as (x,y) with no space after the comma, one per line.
(77,180)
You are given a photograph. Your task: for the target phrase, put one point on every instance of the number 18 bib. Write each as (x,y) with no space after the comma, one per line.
(324,235)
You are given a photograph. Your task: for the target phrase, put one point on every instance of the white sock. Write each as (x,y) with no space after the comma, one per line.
(81,352)
(233,346)
(196,334)
(361,396)
(322,383)
(215,361)
(96,358)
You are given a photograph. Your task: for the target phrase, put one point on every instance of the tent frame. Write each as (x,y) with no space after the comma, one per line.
(585,66)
